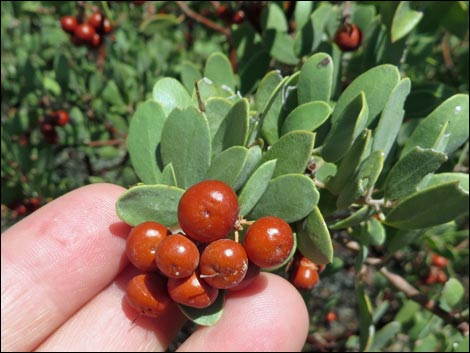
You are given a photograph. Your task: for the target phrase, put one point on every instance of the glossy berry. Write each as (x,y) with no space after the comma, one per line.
(61,118)
(68,23)
(147,293)
(96,20)
(348,37)
(177,256)
(239,17)
(269,241)
(331,316)
(439,261)
(142,243)
(107,28)
(208,210)
(251,274)
(223,264)
(85,32)
(304,274)
(192,291)
(96,41)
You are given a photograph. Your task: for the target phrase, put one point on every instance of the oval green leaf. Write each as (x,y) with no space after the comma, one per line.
(452,293)
(353,220)
(273,18)
(252,160)
(280,46)
(255,187)
(404,20)
(313,238)
(169,176)
(315,79)
(171,94)
(271,124)
(290,197)
(207,316)
(219,70)
(443,178)
(346,129)
(406,174)
(189,75)
(432,206)
(228,165)
(157,203)
(186,144)
(308,116)
(217,109)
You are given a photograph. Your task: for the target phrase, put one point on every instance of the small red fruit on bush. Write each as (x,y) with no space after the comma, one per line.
(147,293)
(68,23)
(142,243)
(439,261)
(239,17)
(269,241)
(348,37)
(208,210)
(85,32)
(223,264)
(107,28)
(96,20)
(251,274)
(331,316)
(177,256)
(192,291)
(304,274)
(61,118)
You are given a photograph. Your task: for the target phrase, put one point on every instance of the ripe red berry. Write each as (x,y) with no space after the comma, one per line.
(21,210)
(348,37)
(269,241)
(46,128)
(250,276)
(147,293)
(85,32)
(225,13)
(208,210)
(96,20)
(331,316)
(142,243)
(177,256)
(304,274)
(61,118)
(107,28)
(96,41)
(439,261)
(192,291)
(223,264)
(239,17)
(68,23)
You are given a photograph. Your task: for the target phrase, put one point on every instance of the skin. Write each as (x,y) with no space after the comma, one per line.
(64,274)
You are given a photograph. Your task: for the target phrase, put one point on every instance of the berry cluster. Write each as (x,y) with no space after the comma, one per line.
(192,266)
(436,272)
(25,206)
(88,33)
(50,122)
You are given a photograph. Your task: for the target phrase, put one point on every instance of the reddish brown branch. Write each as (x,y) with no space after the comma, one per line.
(201,19)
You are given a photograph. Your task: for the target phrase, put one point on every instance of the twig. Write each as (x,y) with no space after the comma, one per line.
(446,52)
(414,294)
(105,143)
(201,19)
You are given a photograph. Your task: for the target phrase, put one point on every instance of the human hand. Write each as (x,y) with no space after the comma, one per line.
(64,273)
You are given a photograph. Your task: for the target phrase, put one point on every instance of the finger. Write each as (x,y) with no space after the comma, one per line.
(105,324)
(270,315)
(56,260)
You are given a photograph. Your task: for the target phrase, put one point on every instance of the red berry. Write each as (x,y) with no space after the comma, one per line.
(225,13)
(46,128)
(96,41)
(147,293)
(223,263)
(208,210)
(107,28)
(239,17)
(21,210)
(439,261)
(250,276)
(441,276)
(177,256)
(192,291)
(85,32)
(269,241)
(348,37)
(61,118)
(96,20)
(304,274)
(51,137)
(142,243)
(68,23)
(331,316)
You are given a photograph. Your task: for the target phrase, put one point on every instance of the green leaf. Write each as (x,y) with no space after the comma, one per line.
(292,152)
(228,165)
(252,161)
(454,111)
(377,85)
(432,206)
(290,197)
(319,18)
(453,292)
(219,70)
(391,118)
(255,187)
(62,71)
(463,345)
(353,220)
(171,94)
(404,21)
(315,79)
(385,335)
(52,86)
(407,311)
(443,178)
(350,163)
(156,23)
(157,203)
(233,129)
(189,75)
(405,175)
(271,124)
(273,18)
(313,238)
(346,129)
(186,143)
(308,116)
(143,140)
(216,110)
(280,46)
(366,325)
(376,232)
(254,70)
(168,175)
(302,12)
(207,316)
